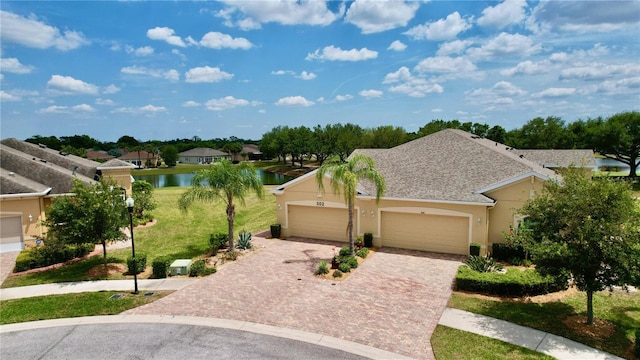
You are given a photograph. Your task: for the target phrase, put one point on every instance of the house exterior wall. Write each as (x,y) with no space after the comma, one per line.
(509,199)
(31,205)
(121,176)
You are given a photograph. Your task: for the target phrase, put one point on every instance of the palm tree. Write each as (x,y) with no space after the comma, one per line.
(346,175)
(226,182)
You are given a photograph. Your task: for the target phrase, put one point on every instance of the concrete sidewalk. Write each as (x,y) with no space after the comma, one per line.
(536,340)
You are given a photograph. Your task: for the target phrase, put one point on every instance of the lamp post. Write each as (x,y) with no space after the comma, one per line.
(129,203)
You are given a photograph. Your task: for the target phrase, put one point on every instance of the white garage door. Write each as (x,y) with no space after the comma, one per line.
(437,233)
(319,222)
(11,234)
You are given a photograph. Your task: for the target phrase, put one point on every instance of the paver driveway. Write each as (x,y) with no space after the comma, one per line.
(393,301)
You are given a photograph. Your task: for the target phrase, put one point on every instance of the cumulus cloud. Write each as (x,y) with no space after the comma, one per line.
(443,29)
(249,15)
(190,103)
(206,74)
(55,109)
(306,75)
(13,65)
(406,83)
(501,93)
(33,33)
(100,101)
(453,47)
(598,71)
(141,51)
(376,16)
(402,74)
(446,64)
(147,109)
(584,16)
(343,97)
(228,102)
(5,96)
(111,89)
(505,45)
(528,67)
(371,93)
(504,14)
(294,101)
(171,75)
(555,92)
(217,40)
(69,85)
(165,34)
(332,53)
(397,45)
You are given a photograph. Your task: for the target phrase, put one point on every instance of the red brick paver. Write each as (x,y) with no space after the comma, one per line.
(393,301)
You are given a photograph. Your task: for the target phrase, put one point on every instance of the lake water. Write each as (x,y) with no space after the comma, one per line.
(160,181)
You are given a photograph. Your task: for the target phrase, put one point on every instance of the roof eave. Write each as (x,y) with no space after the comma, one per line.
(511,181)
(22,195)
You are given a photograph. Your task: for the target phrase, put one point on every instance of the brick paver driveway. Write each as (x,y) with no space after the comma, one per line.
(393,301)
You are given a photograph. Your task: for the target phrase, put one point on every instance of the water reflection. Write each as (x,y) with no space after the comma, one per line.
(167,180)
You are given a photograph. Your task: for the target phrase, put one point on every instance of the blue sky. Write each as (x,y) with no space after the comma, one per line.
(165,70)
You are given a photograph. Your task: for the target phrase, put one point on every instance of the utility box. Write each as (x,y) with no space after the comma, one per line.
(180,267)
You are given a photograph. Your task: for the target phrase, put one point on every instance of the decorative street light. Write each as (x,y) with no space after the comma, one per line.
(129,203)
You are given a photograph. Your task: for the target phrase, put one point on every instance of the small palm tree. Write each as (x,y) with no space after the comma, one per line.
(346,175)
(223,181)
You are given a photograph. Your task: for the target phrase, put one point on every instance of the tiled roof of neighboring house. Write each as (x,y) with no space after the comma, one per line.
(12,183)
(203,152)
(135,155)
(450,165)
(251,148)
(115,164)
(92,155)
(559,158)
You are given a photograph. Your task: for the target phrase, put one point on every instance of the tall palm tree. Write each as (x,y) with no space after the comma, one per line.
(346,175)
(223,181)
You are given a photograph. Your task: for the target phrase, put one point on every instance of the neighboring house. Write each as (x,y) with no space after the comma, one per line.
(99,156)
(249,152)
(31,176)
(140,159)
(560,159)
(202,156)
(444,192)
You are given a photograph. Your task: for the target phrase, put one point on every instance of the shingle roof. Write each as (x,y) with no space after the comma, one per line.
(92,154)
(12,183)
(450,165)
(115,164)
(135,155)
(203,152)
(559,158)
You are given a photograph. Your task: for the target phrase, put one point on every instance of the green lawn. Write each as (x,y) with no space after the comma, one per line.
(620,308)
(177,234)
(71,305)
(454,344)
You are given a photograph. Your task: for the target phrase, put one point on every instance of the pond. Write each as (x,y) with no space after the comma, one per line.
(167,180)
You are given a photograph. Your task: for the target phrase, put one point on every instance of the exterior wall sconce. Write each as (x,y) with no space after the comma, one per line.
(30,218)
(364,212)
(373,213)
(479,221)
(279,207)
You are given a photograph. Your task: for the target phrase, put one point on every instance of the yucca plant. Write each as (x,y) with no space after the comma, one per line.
(244,240)
(483,264)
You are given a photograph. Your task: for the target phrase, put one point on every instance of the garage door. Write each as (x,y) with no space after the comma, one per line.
(319,222)
(444,234)
(11,234)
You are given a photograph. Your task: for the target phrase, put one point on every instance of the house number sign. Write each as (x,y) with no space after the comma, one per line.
(319,203)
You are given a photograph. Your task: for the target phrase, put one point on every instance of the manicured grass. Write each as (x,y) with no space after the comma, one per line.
(620,308)
(454,344)
(72,305)
(176,234)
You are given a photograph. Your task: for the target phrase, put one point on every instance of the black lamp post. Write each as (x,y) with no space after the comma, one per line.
(129,203)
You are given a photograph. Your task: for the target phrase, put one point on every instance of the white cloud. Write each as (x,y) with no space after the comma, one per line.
(5,96)
(190,103)
(443,29)
(83,108)
(332,53)
(504,14)
(402,74)
(371,93)
(619,87)
(397,45)
(555,92)
(228,102)
(505,45)
(408,84)
(206,74)
(165,34)
(55,109)
(35,34)
(111,89)
(294,101)
(584,16)
(528,67)
(141,51)
(100,101)
(446,64)
(171,75)
(283,72)
(147,109)
(69,85)
(250,14)
(306,75)
(453,47)
(501,93)
(262,111)
(376,16)
(598,71)
(13,65)
(343,97)
(437,110)
(217,40)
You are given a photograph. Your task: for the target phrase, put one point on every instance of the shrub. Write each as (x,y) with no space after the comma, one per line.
(26,260)
(368,240)
(231,255)
(514,282)
(516,261)
(217,241)
(505,252)
(482,264)
(141,263)
(337,273)
(344,251)
(344,267)
(323,268)
(637,346)
(161,266)
(359,242)
(474,249)
(51,253)
(363,252)
(244,240)
(199,268)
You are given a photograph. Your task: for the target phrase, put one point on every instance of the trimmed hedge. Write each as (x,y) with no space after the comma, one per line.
(514,282)
(42,256)
(506,252)
(160,266)
(141,263)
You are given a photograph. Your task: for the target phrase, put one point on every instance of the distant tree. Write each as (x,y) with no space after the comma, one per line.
(144,202)
(539,133)
(80,142)
(345,177)
(73,151)
(617,138)
(322,142)
(299,145)
(169,154)
(497,133)
(51,142)
(94,214)
(128,141)
(383,137)
(349,139)
(226,182)
(585,229)
(233,148)
(437,125)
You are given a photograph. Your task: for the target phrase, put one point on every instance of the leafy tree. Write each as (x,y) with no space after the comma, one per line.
(95,213)
(233,148)
(497,134)
(80,142)
(299,144)
(74,151)
(349,138)
(384,137)
(346,175)
(322,142)
(539,133)
(223,181)
(617,138)
(51,142)
(586,229)
(169,154)
(128,141)
(144,202)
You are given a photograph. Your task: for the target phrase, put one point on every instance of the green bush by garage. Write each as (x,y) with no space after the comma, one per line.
(514,282)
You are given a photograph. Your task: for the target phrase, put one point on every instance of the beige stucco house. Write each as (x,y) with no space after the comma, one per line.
(444,192)
(32,176)
(202,156)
